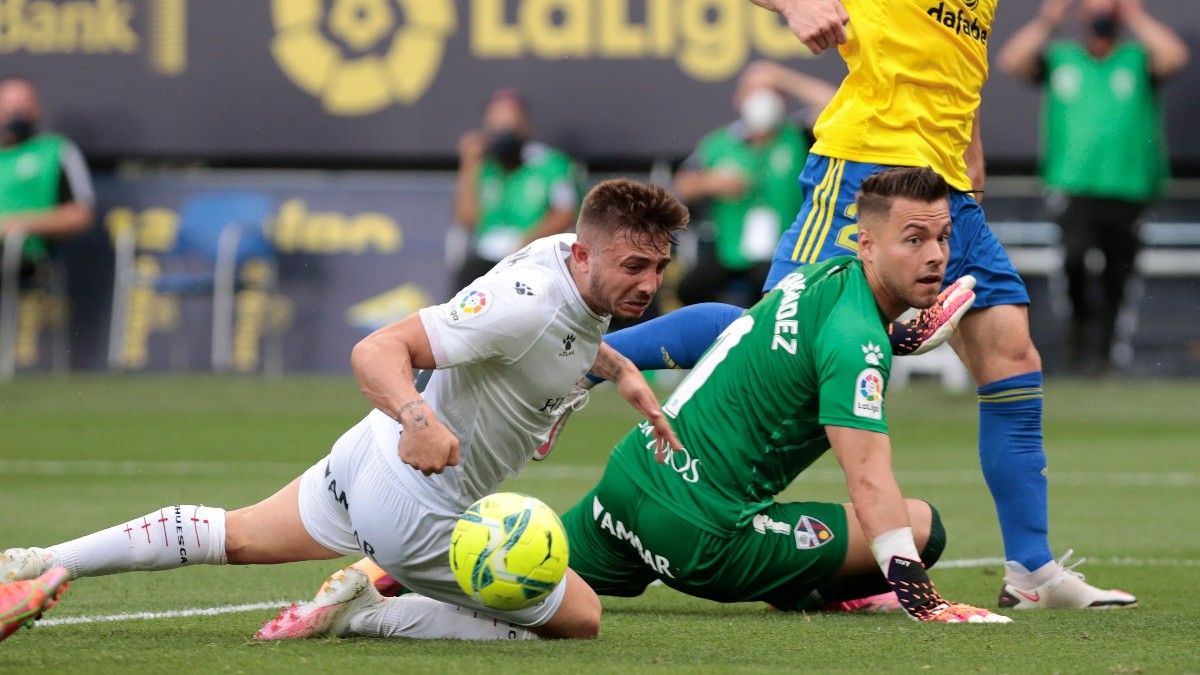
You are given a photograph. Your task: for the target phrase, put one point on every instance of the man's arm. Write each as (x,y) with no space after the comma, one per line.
(466,193)
(383,365)
(866,459)
(819,24)
(693,184)
(1022,54)
(619,370)
(1168,53)
(812,92)
(74,212)
(556,221)
(976,171)
(60,221)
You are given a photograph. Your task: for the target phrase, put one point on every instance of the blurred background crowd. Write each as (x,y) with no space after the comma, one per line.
(255,186)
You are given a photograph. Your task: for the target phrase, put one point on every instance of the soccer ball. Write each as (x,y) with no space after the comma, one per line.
(508,551)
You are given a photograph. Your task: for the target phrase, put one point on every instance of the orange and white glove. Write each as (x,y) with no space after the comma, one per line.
(896,553)
(934,325)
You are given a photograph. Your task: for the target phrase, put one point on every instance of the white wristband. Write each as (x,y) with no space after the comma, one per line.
(897,542)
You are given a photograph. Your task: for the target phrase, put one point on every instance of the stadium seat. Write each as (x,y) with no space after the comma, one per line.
(23,311)
(221,236)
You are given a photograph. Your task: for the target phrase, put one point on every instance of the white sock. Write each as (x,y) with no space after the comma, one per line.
(173,536)
(416,616)
(1016,574)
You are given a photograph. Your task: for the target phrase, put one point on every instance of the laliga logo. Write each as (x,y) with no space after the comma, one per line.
(362,55)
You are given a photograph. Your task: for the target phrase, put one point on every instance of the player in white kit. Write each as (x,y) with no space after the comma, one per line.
(508,349)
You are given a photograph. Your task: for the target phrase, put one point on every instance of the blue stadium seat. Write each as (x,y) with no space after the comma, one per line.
(219,233)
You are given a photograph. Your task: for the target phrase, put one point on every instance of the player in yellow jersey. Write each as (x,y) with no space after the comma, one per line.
(912,98)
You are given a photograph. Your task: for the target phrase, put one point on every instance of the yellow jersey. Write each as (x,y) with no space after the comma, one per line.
(916,70)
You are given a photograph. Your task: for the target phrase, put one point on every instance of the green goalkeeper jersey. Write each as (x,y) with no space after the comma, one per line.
(752,413)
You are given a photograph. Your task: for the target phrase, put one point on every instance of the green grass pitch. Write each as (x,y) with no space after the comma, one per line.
(83,453)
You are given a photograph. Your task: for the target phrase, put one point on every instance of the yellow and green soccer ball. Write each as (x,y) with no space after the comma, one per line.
(508,551)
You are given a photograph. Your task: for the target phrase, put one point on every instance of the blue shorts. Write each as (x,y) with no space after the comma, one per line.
(827,226)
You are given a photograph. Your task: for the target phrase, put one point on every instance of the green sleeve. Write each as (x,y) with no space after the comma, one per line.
(853,361)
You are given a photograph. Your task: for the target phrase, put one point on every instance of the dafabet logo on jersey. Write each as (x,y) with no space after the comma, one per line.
(868,394)
(361,56)
(960,22)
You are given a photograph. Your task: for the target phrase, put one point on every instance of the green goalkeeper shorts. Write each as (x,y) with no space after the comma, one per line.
(622,539)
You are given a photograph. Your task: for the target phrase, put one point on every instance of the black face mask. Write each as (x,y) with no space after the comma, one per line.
(20,129)
(505,148)
(1104,26)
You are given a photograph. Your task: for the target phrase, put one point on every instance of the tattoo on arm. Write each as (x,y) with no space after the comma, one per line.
(418,419)
(609,363)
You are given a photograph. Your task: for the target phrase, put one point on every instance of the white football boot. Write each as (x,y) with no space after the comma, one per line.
(1066,589)
(19,564)
(348,592)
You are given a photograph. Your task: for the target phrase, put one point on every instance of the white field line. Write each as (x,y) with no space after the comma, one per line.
(172,614)
(964,563)
(537,471)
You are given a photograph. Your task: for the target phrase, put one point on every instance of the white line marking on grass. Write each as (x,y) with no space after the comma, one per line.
(1114,478)
(972,563)
(172,614)
(962,563)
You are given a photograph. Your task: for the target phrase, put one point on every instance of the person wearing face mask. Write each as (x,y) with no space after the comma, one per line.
(45,190)
(746,172)
(1104,152)
(511,190)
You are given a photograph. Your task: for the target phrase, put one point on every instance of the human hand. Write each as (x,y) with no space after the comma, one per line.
(426,444)
(725,183)
(471,147)
(819,24)
(634,389)
(1053,11)
(760,74)
(949,612)
(934,325)
(1129,11)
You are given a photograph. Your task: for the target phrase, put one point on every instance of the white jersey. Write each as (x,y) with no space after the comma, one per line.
(508,349)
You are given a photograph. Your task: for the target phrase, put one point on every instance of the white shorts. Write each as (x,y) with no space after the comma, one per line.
(352,502)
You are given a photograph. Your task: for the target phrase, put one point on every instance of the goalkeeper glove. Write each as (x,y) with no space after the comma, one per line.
(936,324)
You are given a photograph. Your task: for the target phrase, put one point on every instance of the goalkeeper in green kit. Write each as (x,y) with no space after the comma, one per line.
(802,371)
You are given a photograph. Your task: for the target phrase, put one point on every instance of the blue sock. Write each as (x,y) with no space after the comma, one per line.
(1010,452)
(673,340)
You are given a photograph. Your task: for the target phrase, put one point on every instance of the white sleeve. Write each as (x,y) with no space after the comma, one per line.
(76,171)
(489,319)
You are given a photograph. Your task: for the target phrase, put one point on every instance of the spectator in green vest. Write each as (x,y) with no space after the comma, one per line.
(511,190)
(1103,149)
(45,190)
(747,172)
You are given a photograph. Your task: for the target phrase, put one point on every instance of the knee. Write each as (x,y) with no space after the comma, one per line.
(936,544)
(1014,356)
(587,625)
(585,619)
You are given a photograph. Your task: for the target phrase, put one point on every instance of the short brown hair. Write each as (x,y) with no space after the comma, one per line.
(921,184)
(642,210)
